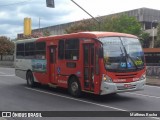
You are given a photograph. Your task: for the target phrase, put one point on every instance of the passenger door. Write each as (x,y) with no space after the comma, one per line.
(89,66)
(52,62)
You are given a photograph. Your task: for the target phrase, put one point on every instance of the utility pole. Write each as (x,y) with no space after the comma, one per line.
(152,28)
(50,3)
(39,23)
(99,23)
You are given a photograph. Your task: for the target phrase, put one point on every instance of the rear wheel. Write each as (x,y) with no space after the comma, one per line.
(74,87)
(30,79)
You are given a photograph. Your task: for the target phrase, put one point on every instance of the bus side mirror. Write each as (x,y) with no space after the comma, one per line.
(100,52)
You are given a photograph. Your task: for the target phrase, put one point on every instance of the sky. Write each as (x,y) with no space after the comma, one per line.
(13,12)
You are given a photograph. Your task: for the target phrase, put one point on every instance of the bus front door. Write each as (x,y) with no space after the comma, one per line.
(52,62)
(88,52)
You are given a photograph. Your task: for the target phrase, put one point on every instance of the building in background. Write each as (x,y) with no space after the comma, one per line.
(149,19)
(152,57)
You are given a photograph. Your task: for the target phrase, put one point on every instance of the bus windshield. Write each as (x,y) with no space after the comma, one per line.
(122,53)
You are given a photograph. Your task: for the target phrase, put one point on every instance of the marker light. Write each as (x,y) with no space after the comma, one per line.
(106,78)
(143,77)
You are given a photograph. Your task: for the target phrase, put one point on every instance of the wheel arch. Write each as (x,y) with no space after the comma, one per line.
(29,70)
(69,79)
(74,86)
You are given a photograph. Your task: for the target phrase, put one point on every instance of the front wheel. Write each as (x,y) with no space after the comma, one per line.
(74,87)
(30,79)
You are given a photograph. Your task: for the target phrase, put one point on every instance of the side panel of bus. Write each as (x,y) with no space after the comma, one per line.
(57,60)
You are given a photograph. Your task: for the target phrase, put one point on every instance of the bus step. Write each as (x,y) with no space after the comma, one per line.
(88,91)
(52,85)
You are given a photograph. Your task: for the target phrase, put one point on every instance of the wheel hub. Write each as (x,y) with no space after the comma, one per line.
(74,86)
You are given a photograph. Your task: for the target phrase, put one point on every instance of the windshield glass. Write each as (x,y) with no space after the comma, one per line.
(122,53)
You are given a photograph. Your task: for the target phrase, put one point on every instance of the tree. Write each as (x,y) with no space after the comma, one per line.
(157,41)
(46,33)
(116,23)
(84,25)
(6,46)
(122,23)
(144,39)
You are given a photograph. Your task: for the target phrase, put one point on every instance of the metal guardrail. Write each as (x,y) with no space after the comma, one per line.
(153,71)
(7,58)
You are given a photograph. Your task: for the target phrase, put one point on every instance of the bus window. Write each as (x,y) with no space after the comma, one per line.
(72,49)
(29,50)
(20,50)
(61,49)
(40,50)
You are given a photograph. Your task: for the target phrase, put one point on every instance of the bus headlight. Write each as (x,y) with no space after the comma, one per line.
(106,78)
(143,77)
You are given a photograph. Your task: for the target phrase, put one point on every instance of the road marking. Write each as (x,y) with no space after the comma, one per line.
(2,73)
(101,105)
(152,86)
(8,75)
(1,118)
(144,95)
(77,99)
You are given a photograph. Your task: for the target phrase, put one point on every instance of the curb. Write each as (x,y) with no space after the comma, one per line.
(153,84)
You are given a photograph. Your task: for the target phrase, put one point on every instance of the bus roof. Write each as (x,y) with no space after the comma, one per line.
(107,34)
(26,40)
(95,34)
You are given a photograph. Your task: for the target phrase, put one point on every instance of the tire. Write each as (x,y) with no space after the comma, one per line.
(74,87)
(30,79)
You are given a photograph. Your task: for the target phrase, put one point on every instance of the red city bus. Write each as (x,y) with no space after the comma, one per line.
(95,62)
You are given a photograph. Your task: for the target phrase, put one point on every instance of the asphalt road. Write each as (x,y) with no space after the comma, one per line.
(16,96)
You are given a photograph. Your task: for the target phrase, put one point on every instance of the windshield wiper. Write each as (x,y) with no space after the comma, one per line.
(132,61)
(127,56)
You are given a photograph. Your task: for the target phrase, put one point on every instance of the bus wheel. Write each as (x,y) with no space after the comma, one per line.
(74,87)
(30,79)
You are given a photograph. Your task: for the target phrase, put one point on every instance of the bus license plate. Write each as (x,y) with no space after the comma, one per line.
(127,85)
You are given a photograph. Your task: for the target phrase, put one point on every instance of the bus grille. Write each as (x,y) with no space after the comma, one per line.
(125,76)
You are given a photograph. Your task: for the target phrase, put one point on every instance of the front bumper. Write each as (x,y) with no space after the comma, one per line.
(108,88)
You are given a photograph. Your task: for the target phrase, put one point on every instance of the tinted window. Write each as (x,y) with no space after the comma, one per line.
(40,46)
(72,49)
(20,50)
(61,49)
(29,50)
(29,46)
(40,50)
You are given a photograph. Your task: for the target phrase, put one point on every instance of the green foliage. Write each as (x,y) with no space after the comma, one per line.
(84,25)
(144,39)
(116,23)
(123,24)
(157,41)
(6,46)
(46,33)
